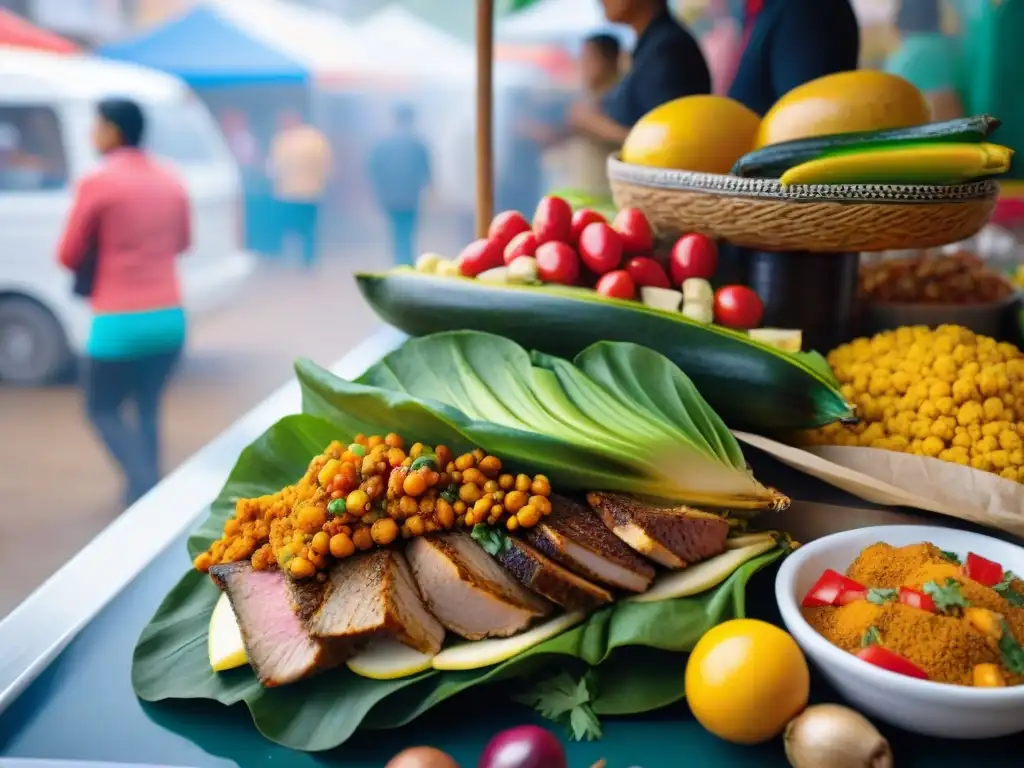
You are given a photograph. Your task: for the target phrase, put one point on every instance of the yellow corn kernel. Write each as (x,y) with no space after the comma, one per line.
(987,676)
(985,621)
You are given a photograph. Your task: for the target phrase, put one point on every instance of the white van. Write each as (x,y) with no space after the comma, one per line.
(47,106)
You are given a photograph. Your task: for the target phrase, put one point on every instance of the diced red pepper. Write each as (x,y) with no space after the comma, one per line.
(828,588)
(886,659)
(914,599)
(983,571)
(850,595)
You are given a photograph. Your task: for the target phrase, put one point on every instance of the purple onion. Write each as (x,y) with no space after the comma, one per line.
(526,746)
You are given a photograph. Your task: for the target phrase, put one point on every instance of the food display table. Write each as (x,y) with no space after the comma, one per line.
(65,653)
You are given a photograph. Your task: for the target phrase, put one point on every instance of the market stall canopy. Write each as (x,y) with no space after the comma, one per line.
(406,46)
(16,32)
(206,48)
(545,20)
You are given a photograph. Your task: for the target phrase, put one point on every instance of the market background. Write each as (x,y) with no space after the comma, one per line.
(366,57)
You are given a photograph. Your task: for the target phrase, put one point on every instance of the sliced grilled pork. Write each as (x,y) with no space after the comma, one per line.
(374,594)
(272,610)
(574,537)
(673,537)
(550,580)
(466,589)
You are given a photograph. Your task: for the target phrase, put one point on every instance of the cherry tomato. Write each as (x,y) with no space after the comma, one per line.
(617,285)
(600,248)
(914,599)
(557,263)
(693,255)
(886,659)
(523,244)
(646,272)
(828,589)
(635,230)
(505,226)
(581,219)
(479,256)
(982,570)
(552,221)
(737,306)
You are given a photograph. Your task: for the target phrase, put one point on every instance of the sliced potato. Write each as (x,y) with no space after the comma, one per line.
(702,576)
(781,338)
(661,298)
(483,653)
(386,658)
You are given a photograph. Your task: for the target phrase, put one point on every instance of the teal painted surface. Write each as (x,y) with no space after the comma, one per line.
(129,335)
(929,61)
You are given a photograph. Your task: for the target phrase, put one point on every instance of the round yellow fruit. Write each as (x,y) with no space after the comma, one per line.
(745,680)
(694,133)
(861,100)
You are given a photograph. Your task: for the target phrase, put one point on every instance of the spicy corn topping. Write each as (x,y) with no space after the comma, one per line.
(919,611)
(369,494)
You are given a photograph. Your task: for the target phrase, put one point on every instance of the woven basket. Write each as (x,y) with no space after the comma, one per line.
(824,218)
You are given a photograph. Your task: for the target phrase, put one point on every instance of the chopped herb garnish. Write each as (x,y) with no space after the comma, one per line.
(336,507)
(427,460)
(1013,654)
(953,557)
(880,596)
(566,701)
(871,637)
(1006,590)
(948,597)
(493,540)
(451,493)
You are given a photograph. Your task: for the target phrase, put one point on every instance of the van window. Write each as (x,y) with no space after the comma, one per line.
(32,155)
(182,132)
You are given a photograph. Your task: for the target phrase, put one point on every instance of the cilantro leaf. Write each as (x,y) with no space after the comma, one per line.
(566,701)
(947,597)
(953,557)
(1013,654)
(1006,590)
(492,539)
(881,596)
(871,637)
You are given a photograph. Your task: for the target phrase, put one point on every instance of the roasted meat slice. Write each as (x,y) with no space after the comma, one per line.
(466,589)
(272,611)
(674,537)
(574,537)
(550,580)
(375,594)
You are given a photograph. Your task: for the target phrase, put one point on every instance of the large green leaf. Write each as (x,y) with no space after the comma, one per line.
(170,659)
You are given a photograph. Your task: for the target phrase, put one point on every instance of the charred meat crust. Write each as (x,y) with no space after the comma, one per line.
(550,580)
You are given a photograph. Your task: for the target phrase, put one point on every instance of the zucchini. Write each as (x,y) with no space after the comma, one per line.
(750,385)
(772,161)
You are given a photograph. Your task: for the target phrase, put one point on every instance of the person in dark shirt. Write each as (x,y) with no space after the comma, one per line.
(667,63)
(791,42)
(400,173)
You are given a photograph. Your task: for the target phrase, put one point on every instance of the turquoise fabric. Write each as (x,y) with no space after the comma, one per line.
(130,335)
(928,60)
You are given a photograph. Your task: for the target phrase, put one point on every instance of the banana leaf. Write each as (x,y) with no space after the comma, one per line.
(170,660)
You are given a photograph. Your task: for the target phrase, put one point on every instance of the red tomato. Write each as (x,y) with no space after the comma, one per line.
(479,256)
(646,272)
(617,285)
(886,659)
(523,244)
(600,248)
(557,263)
(983,571)
(737,306)
(505,226)
(581,219)
(914,599)
(827,589)
(693,255)
(633,227)
(553,221)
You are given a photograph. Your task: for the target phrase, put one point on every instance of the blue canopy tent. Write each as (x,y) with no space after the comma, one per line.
(206,49)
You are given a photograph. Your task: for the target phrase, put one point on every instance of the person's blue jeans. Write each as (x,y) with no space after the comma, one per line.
(403,235)
(111,387)
(300,219)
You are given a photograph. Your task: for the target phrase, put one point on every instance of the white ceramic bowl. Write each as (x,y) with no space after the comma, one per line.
(921,706)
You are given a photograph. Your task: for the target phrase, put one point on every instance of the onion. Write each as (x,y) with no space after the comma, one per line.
(422,757)
(831,736)
(527,746)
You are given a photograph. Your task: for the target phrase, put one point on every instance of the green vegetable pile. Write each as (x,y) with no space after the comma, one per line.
(599,669)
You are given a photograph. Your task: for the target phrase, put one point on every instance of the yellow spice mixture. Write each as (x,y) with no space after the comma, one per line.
(369,494)
(947,393)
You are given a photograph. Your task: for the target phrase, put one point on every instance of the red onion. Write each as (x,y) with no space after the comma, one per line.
(527,746)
